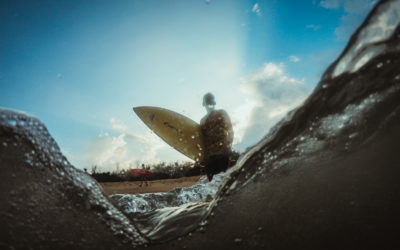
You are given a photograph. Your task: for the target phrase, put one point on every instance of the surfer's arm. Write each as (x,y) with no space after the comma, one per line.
(228,127)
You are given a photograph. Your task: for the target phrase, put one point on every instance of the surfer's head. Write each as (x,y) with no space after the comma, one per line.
(209,101)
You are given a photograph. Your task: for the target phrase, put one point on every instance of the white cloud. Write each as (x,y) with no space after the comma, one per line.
(149,145)
(354,13)
(269,94)
(313,27)
(330,4)
(294,59)
(125,148)
(256,9)
(241,118)
(118,125)
(105,150)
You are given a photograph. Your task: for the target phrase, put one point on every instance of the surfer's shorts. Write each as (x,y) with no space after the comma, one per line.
(216,164)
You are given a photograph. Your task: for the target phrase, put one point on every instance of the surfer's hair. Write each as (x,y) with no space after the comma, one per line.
(208,99)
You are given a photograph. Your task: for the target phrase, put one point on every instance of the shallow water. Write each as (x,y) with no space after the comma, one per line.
(46,152)
(355,101)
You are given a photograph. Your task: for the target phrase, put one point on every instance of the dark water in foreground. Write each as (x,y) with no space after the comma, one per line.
(325,177)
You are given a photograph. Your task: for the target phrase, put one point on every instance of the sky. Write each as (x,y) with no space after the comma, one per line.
(80,66)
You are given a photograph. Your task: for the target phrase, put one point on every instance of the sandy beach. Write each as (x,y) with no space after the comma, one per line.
(132,187)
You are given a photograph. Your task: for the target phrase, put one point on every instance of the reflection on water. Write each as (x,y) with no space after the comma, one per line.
(163,216)
(345,111)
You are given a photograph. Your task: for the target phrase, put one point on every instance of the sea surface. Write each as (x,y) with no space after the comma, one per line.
(351,117)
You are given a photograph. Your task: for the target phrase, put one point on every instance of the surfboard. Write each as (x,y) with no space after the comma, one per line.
(179,131)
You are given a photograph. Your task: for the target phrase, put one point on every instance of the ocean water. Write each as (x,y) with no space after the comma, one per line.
(357,97)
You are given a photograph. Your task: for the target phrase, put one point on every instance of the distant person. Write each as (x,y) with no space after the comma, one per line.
(217,133)
(143,177)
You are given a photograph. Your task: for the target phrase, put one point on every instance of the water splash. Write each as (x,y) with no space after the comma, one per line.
(370,39)
(46,152)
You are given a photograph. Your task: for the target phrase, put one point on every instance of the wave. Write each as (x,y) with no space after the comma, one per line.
(324,177)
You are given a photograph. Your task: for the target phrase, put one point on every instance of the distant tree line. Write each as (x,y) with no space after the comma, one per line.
(159,171)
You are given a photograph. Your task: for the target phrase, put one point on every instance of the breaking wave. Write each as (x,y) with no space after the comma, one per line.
(356,98)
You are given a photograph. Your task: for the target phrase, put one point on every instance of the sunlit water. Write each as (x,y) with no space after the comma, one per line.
(47,152)
(164,216)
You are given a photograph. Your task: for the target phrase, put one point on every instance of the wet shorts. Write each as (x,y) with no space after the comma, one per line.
(216,164)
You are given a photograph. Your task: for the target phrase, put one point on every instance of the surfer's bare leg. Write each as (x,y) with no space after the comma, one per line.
(141,181)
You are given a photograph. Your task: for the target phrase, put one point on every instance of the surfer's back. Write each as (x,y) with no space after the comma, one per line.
(217,133)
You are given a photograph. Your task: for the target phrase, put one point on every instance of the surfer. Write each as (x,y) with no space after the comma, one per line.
(217,133)
(143,177)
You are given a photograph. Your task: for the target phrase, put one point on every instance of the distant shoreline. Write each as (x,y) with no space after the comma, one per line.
(155,186)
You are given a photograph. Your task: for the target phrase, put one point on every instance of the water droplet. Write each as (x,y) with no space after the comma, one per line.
(397,77)
(4,144)
(237,240)
(193,136)
(325,86)
(379,65)
(21,123)
(203,223)
(259,228)
(353,135)
(12,122)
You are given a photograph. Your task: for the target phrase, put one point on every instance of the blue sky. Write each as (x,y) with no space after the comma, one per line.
(80,66)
